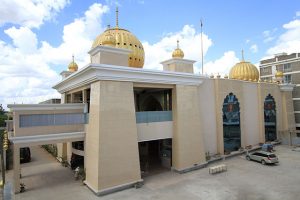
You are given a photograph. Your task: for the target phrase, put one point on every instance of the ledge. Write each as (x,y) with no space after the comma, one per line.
(115,188)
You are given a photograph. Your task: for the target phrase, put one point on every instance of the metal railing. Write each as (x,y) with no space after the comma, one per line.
(153,116)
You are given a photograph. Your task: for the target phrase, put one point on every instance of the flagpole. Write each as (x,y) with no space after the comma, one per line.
(202,47)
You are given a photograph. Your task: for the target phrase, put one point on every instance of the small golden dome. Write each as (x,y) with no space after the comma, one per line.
(244,71)
(177,53)
(279,74)
(124,39)
(73,67)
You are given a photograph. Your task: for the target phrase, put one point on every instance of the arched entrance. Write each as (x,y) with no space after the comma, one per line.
(270,118)
(231,123)
(151,104)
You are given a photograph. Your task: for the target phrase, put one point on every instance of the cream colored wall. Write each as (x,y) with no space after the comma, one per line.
(222,88)
(154,131)
(92,139)
(188,142)
(264,90)
(251,113)
(179,67)
(42,130)
(208,115)
(110,58)
(112,157)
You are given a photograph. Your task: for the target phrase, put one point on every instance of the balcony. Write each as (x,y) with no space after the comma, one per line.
(38,124)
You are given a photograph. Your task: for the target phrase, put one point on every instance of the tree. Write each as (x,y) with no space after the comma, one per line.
(3,116)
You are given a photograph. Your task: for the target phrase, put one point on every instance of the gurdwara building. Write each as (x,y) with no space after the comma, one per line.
(121,122)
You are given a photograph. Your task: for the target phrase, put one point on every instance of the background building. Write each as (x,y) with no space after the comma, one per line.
(289,66)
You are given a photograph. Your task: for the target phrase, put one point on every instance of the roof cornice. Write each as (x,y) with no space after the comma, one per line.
(97,72)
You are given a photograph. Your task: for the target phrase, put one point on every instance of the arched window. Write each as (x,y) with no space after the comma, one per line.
(231,123)
(270,118)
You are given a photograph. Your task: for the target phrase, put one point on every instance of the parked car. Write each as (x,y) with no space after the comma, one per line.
(25,155)
(263,157)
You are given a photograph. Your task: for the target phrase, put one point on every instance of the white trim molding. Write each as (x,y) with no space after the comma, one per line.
(97,72)
(109,49)
(178,60)
(286,87)
(24,141)
(33,107)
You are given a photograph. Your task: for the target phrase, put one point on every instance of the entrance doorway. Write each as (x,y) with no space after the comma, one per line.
(155,156)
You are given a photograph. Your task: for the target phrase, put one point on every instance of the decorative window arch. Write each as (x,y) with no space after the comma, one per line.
(231,123)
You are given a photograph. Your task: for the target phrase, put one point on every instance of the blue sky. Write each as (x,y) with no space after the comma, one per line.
(37,38)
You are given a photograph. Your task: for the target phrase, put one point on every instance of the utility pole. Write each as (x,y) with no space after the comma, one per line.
(201,47)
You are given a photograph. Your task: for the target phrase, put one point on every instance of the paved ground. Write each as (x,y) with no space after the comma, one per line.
(46,179)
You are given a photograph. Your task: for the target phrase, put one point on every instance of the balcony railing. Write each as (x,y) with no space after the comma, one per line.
(153,116)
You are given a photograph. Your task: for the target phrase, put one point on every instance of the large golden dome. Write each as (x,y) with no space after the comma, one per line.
(245,71)
(126,40)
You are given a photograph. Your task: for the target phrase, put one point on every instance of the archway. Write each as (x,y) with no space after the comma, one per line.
(231,123)
(270,118)
(151,104)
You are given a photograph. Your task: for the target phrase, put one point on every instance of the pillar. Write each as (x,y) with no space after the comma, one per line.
(111,153)
(187,143)
(17,168)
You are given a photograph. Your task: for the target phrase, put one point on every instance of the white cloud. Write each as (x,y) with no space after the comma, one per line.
(222,65)
(289,41)
(26,75)
(268,35)
(29,13)
(78,37)
(23,39)
(254,48)
(189,42)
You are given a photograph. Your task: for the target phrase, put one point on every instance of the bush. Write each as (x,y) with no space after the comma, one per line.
(51,148)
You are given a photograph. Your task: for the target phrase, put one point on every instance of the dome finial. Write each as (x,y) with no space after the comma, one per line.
(243,55)
(117,17)
(73,57)
(177,44)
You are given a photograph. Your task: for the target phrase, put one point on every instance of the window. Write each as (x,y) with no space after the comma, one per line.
(298,134)
(287,78)
(287,67)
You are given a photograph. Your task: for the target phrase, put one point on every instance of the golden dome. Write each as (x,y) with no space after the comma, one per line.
(279,74)
(109,39)
(177,53)
(73,67)
(244,71)
(124,39)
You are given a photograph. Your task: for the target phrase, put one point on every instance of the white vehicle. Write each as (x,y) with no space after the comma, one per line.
(263,157)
